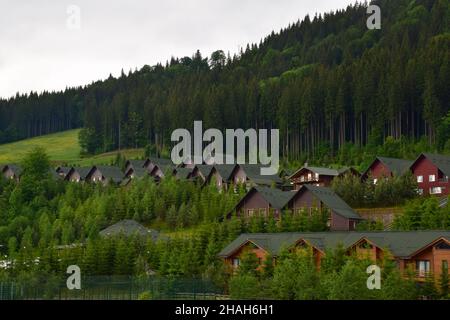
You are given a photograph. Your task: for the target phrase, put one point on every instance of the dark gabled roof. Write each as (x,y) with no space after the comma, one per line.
(275,197)
(396,166)
(325,171)
(14,167)
(402,244)
(160,161)
(110,172)
(139,172)
(439,160)
(225,170)
(163,167)
(331,200)
(278,199)
(182,173)
(129,228)
(82,171)
(253,172)
(136,163)
(63,170)
(204,169)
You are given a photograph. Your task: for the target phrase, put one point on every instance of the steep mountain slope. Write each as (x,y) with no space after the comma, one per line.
(325,81)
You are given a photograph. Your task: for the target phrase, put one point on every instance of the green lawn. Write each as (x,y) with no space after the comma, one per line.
(62,148)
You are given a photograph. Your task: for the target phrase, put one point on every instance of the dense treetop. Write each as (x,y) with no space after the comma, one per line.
(325,82)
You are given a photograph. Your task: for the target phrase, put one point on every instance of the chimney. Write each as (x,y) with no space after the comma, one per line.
(306,165)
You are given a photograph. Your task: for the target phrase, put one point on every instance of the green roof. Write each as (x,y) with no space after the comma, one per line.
(401,244)
(332,201)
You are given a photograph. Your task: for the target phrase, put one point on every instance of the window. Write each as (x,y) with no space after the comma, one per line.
(436,190)
(375,181)
(263,212)
(236,262)
(420,191)
(443,246)
(250,212)
(317,176)
(422,267)
(309,176)
(432,178)
(419,179)
(444,265)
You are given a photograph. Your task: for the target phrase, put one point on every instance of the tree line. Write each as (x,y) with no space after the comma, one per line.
(325,82)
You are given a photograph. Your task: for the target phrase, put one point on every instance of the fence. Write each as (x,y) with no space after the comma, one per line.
(114,288)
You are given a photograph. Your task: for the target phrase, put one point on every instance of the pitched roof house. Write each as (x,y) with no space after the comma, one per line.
(135,172)
(151,162)
(134,164)
(250,175)
(318,176)
(62,171)
(182,173)
(105,175)
(77,174)
(12,171)
(432,172)
(221,174)
(424,251)
(386,167)
(262,200)
(201,171)
(129,228)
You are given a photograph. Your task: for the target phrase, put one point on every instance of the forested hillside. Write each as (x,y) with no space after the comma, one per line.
(325,81)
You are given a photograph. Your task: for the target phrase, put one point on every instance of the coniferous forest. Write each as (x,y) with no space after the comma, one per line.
(326,82)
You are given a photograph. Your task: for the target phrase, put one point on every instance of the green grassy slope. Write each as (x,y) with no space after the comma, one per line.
(62,148)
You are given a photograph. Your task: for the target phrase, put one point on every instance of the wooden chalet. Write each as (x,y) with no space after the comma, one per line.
(383,167)
(105,175)
(263,200)
(321,177)
(12,171)
(425,252)
(432,172)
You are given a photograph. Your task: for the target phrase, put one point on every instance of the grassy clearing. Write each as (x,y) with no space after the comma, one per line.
(62,148)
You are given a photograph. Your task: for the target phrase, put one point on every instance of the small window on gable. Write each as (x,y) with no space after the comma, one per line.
(442,246)
(365,245)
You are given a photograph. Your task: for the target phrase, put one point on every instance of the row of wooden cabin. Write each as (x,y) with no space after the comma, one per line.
(426,253)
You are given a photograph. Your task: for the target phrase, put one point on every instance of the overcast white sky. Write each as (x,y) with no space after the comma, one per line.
(39,51)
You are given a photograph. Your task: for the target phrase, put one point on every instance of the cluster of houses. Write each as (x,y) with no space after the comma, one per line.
(306,189)
(423,252)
